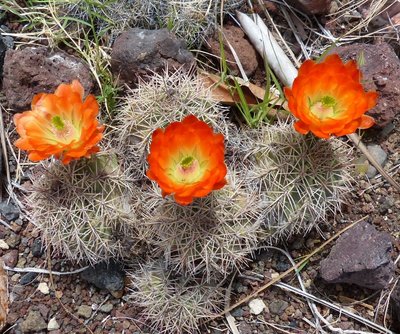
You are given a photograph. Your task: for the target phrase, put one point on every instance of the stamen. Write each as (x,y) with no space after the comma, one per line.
(58,122)
(187,162)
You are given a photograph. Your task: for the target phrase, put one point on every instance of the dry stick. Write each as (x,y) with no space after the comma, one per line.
(349,314)
(44,271)
(274,280)
(268,48)
(360,145)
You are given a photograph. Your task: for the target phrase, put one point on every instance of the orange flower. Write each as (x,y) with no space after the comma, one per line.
(328,99)
(60,124)
(187,160)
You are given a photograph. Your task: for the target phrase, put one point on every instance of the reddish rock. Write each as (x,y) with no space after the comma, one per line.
(11,258)
(381,72)
(137,53)
(35,70)
(243,48)
(44,310)
(361,256)
(312,6)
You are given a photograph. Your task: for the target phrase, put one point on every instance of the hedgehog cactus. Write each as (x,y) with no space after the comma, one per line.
(174,304)
(190,20)
(81,209)
(208,238)
(154,104)
(302,178)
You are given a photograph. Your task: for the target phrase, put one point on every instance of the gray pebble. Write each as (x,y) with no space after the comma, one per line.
(9,211)
(84,311)
(278,306)
(380,156)
(13,240)
(237,312)
(106,308)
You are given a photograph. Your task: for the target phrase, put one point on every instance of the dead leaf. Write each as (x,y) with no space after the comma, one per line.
(3,295)
(222,92)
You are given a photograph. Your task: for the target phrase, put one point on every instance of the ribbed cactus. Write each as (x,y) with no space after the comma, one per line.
(208,238)
(190,20)
(303,179)
(81,208)
(173,304)
(156,103)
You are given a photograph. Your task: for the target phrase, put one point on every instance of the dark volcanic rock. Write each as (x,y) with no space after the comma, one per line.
(6,43)
(312,6)
(139,52)
(28,278)
(360,256)
(39,70)
(37,248)
(381,72)
(9,211)
(105,276)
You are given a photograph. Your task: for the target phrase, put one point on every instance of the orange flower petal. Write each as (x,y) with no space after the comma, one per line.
(328,99)
(187,160)
(60,124)
(301,127)
(366,122)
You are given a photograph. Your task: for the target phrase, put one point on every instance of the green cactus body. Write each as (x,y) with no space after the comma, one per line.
(302,178)
(174,304)
(81,208)
(209,238)
(156,103)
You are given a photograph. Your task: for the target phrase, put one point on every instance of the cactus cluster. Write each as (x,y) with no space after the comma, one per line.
(279,182)
(190,20)
(81,208)
(173,303)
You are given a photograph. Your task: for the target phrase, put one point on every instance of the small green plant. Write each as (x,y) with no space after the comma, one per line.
(81,208)
(174,304)
(254,115)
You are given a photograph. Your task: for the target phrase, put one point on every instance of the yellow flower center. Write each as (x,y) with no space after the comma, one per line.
(187,170)
(63,130)
(58,122)
(326,107)
(187,162)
